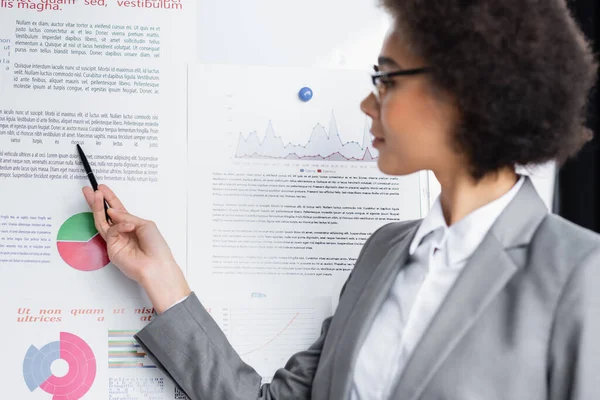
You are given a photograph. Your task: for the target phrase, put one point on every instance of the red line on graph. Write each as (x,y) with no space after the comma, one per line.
(276,336)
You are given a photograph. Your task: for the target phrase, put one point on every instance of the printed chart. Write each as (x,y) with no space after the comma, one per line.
(81,367)
(80,245)
(261,115)
(266,333)
(323,146)
(125,352)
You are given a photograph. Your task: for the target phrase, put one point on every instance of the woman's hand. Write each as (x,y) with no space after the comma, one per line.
(138,249)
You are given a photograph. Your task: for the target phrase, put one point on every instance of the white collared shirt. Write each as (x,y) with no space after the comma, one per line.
(437,255)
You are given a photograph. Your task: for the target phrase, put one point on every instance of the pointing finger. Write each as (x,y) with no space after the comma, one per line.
(112,198)
(88,193)
(99,216)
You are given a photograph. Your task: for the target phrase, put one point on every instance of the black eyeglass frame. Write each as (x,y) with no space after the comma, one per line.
(379,74)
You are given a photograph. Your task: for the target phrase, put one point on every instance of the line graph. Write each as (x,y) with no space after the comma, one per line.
(266,333)
(322,145)
(257,117)
(272,340)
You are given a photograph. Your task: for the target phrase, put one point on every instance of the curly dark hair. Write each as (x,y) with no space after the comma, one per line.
(521,71)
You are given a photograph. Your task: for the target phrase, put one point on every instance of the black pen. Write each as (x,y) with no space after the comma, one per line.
(91,177)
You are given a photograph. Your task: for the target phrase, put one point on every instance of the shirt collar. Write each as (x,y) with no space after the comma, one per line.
(464,236)
(434,220)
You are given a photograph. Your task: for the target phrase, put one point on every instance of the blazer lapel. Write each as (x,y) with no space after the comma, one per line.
(364,311)
(484,276)
(488,271)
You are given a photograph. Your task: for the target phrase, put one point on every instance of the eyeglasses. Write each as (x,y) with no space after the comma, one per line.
(382,80)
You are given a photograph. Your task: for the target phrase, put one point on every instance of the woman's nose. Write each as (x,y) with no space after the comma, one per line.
(370,106)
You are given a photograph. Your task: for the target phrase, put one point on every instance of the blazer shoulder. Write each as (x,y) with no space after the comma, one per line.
(373,251)
(383,239)
(563,244)
(390,234)
(557,229)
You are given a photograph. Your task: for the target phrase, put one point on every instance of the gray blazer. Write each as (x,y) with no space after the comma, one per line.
(521,323)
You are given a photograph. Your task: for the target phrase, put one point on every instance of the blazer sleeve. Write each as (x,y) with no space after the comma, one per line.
(189,347)
(575,342)
(186,343)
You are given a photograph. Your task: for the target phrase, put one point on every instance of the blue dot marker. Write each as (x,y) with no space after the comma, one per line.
(305,94)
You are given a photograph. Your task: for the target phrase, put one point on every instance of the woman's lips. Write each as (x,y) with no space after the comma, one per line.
(378,141)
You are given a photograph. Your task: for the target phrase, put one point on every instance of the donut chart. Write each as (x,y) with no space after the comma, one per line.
(80,245)
(76,353)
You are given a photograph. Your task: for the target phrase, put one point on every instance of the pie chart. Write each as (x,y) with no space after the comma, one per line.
(80,245)
(81,367)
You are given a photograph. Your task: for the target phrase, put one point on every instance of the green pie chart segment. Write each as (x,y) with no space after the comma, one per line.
(80,228)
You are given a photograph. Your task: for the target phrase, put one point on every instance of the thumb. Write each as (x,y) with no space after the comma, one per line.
(119,216)
(123,227)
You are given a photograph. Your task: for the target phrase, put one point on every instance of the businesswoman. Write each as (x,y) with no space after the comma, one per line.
(490,296)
